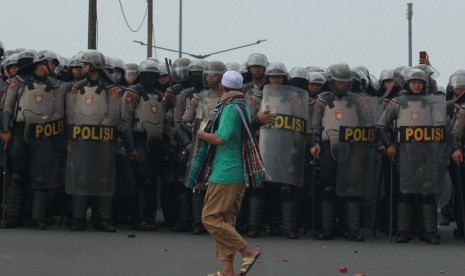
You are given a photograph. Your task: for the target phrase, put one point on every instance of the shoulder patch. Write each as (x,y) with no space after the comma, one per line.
(129,97)
(14,83)
(114,92)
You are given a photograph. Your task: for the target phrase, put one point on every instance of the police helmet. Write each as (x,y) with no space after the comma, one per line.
(213,73)
(257,59)
(276,69)
(94,58)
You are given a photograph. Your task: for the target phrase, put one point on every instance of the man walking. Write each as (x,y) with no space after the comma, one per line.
(229,161)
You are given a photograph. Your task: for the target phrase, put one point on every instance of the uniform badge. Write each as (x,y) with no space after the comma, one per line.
(38,97)
(211,112)
(129,98)
(339,115)
(115,92)
(154,107)
(13,84)
(415,115)
(89,100)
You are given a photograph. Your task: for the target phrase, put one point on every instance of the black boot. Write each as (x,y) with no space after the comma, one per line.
(290,219)
(79,213)
(353,221)
(39,208)
(183,212)
(404,210)
(104,206)
(197,206)
(13,201)
(256,212)
(328,220)
(430,220)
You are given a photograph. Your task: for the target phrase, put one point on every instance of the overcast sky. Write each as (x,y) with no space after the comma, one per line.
(373,33)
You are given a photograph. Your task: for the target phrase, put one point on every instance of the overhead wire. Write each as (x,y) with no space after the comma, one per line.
(126,20)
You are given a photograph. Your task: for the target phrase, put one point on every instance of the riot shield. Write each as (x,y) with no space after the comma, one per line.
(47,150)
(354,146)
(90,166)
(422,149)
(282,145)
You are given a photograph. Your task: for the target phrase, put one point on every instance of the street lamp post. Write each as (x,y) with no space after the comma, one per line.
(409,17)
(180,28)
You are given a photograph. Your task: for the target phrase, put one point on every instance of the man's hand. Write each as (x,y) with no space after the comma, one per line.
(391,152)
(266,118)
(457,156)
(6,138)
(134,156)
(315,151)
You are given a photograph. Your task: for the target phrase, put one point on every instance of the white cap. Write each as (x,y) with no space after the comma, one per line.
(232,79)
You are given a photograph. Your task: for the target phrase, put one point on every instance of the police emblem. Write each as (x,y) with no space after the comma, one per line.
(339,115)
(154,107)
(13,84)
(89,100)
(415,115)
(115,92)
(39,97)
(129,98)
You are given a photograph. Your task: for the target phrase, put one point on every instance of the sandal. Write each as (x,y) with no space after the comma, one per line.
(247,264)
(218,273)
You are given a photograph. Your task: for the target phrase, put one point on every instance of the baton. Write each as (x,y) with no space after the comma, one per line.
(5,186)
(391,188)
(378,199)
(314,180)
(460,192)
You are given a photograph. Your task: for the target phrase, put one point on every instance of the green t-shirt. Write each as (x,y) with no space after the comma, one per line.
(227,165)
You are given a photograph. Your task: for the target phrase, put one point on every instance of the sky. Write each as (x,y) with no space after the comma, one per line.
(372,33)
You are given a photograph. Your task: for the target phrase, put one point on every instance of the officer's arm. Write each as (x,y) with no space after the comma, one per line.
(179,109)
(10,102)
(457,139)
(385,122)
(190,112)
(317,119)
(114,103)
(59,110)
(128,105)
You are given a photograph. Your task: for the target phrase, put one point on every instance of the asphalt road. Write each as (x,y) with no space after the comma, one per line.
(60,252)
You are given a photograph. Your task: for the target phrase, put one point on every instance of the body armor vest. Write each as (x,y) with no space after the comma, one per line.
(342,114)
(206,108)
(91,107)
(149,116)
(36,104)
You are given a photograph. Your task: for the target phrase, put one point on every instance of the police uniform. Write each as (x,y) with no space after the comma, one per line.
(36,107)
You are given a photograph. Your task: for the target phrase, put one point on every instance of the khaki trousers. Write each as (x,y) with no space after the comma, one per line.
(220,210)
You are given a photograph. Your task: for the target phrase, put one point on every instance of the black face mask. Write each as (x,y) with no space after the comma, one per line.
(300,83)
(66,77)
(148,80)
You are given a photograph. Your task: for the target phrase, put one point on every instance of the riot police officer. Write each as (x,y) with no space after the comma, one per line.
(184,114)
(203,106)
(34,104)
(93,110)
(144,129)
(425,116)
(332,113)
